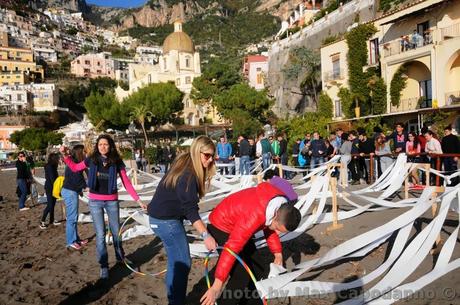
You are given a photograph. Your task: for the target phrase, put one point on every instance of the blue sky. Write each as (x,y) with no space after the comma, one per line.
(117,3)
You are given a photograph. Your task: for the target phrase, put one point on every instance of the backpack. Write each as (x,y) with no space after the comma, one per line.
(266,146)
(57,187)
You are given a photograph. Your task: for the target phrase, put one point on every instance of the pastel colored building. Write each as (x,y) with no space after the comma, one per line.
(93,65)
(17,66)
(255,69)
(5,134)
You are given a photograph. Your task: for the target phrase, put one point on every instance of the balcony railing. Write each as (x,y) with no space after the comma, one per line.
(334,75)
(450,31)
(407,44)
(452,98)
(411,104)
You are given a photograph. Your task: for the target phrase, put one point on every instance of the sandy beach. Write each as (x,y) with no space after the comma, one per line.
(36,267)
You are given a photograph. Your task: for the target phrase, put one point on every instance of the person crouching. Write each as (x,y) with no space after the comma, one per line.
(268,207)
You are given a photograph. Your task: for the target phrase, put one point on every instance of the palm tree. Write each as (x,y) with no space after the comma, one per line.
(139,113)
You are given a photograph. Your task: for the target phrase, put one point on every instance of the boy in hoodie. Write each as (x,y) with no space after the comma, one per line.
(268,207)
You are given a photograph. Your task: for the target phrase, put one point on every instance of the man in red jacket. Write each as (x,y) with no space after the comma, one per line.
(234,222)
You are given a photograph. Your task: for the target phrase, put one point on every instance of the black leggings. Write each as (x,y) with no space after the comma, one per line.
(50,203)
(240,289)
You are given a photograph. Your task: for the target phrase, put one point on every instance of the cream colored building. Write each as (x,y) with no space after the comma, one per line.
(424,39)
(334,73)
(179,63)
(36,97)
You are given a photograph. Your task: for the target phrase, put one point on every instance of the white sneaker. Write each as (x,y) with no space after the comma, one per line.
(56,223)
(362,181)
(24,209)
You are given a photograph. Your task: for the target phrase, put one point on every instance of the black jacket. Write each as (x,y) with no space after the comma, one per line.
(450,144)
(23,170)
(245,148)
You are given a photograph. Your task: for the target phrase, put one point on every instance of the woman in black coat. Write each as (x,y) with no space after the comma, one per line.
(51,174)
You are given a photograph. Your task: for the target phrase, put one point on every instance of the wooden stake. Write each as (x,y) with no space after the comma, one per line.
(259,178)
(434,208)
(343,176)
(280,168)
(406,187)
(335,219)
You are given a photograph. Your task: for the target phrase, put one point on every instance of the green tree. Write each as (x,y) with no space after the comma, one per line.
(105,111)
(378,94)
(398,83)
(219,75)
(246,107)
(35,139)
(139,113)
(243,97)
(357,58)
(162,100)
(325,108)
(347,102)
(296,127)
(305,63)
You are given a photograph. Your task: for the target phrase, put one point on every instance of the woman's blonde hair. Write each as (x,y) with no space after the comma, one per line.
(191,161)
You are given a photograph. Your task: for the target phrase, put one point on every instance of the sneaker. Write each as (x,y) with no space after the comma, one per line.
(75,246)
(104,274)
(362,181)
(56,223)
(43,225)
(83,242)
(24,209)
(354,182)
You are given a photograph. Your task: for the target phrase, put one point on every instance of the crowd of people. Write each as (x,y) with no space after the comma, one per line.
(355,147)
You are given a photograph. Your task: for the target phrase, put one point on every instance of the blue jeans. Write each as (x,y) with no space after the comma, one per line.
(172,234)
(316,161)
(244,165)
(22,184)
(97,207)
(266,158)
(71,211)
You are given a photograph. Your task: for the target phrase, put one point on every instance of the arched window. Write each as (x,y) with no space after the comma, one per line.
(187,61)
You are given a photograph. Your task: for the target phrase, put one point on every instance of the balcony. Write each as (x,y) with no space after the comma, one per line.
(331,76)
(412,103)
(450,32)
(407,44)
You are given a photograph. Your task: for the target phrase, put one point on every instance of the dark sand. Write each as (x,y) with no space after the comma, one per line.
(36,268)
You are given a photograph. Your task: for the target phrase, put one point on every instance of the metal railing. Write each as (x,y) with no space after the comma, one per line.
(408,44)
(334,75)
(435,161)
(450,31)
(405,105)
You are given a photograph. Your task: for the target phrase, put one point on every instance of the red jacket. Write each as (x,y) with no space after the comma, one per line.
(241,215)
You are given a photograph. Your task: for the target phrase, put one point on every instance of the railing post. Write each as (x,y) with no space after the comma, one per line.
(371,169)
(438,167)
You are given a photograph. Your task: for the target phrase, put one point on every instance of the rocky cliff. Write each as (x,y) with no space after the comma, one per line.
(161,12)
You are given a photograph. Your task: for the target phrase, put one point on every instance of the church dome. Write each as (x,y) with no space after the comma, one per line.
(178,41)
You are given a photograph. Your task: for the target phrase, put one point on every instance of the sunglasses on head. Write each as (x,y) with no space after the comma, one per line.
(208,155)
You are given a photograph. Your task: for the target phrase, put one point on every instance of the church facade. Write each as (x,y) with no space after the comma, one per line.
(179,63)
